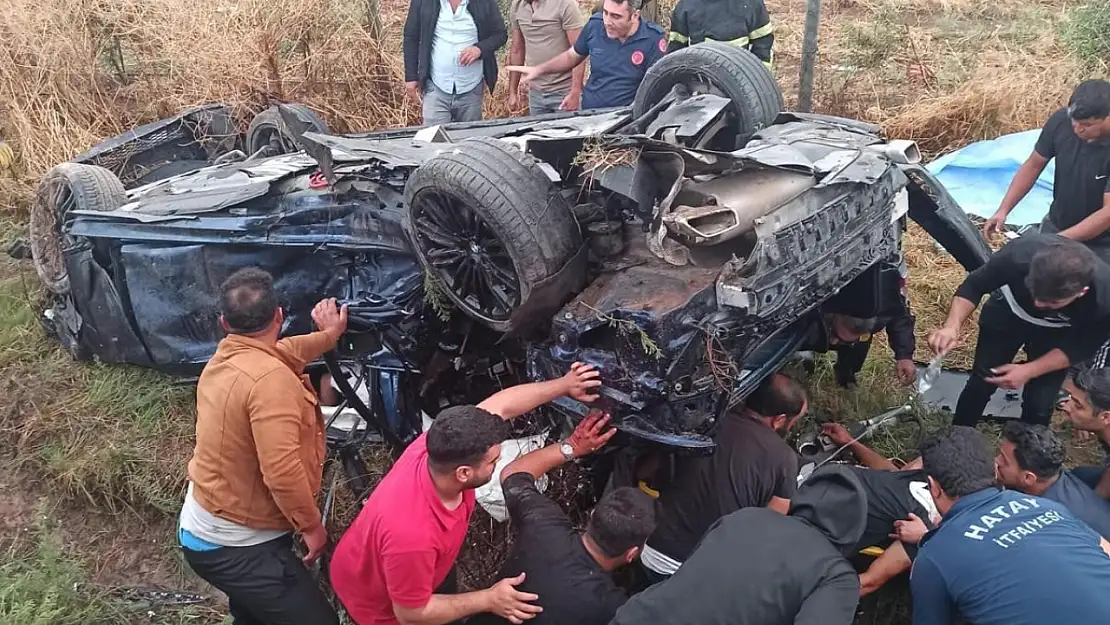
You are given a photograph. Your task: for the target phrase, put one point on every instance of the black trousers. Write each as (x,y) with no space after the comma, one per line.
(849,361)
(1001,335)
(265,584)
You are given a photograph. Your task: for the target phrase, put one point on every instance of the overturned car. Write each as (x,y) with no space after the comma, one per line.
(686,245)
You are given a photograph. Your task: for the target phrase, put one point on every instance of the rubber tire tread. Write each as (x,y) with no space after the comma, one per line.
(737,72)
(93,188)
(271,118)
(515,198)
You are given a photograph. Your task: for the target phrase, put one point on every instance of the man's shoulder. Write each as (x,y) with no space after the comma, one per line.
(233,360)
(653,30)
(1059,118)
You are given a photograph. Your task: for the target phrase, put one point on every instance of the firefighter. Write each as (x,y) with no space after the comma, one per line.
(742,23)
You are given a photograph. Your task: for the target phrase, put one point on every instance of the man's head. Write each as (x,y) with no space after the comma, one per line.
(248,304)
(1088,404)
(844,329)
(1060,273)
(464,443)
(620,525)
(621,17)
(958,463)
(1089,110)
(780,401)
(1030,457)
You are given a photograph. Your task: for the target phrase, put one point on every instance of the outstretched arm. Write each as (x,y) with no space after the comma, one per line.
(517,400)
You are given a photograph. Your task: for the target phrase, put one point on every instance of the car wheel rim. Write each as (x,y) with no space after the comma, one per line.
(466,255)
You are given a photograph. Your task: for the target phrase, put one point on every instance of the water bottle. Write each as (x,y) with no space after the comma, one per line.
(929,376)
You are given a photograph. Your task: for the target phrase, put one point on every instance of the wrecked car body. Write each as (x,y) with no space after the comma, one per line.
(474,256)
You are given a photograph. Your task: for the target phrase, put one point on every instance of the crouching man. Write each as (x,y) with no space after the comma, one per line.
(259,460)
(569,570)
(395,564)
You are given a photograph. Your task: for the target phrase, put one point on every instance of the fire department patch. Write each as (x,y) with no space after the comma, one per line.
(637,58)
(663,45)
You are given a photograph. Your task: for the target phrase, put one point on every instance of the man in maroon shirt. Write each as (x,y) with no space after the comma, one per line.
(402,546)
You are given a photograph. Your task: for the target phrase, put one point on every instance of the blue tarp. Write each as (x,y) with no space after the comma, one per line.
(978,175)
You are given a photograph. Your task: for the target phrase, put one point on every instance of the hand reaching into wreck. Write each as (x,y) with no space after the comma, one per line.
(591,434)
(910,530)
(330,318)
(580,382)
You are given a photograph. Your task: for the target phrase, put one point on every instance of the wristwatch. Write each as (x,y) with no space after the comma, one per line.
(567,450)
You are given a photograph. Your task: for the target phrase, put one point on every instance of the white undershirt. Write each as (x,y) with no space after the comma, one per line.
(211,528)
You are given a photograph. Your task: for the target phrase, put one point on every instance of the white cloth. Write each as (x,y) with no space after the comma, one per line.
(659,562)
(455,31)
(489,495)
(211,528)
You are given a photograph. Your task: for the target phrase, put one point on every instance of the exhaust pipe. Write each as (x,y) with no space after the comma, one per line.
(901,151)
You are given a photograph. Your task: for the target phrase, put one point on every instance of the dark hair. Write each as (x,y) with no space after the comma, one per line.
(1036,448)
(247,300)
(959,460)
(777,394)
(1060,270)
(634,5)
(1095,382)
(624,518)
(1090,100)
(462,435)
(860,325)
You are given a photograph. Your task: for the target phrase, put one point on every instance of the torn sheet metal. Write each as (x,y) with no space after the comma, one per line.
(945,392)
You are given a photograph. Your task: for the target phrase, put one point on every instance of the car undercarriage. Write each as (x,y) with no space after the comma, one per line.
(685,246)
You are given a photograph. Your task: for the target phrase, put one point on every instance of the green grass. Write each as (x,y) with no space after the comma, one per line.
(1086,31)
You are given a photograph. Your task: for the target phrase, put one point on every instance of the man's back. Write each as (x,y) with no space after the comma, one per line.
(751,465)
(1083,502)
(572,587)
(755,567)
(1006,558)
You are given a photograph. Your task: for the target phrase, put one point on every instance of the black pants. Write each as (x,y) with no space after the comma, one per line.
(265,584)
(849,361)
(1001,335)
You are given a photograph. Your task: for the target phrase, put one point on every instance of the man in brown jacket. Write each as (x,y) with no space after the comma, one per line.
(259,460)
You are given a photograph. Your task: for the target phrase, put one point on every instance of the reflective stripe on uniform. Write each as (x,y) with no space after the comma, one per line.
(739,42)
(679,37)
(762,31)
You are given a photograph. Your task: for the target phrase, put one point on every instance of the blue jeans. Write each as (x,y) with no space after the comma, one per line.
(441,107)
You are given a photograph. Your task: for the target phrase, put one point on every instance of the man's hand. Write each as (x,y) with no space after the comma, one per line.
(469,55)
(1010,376)
(943,340)
(511,604)
(527,75)
(580,380)
(906,371)
(994,225)
(591,434)
(837,433)
(910,530)
(514,100)
(412,90)
(572,102)
(315,540)
(330,318)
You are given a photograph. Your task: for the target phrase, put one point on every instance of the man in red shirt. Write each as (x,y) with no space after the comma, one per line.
(402,546)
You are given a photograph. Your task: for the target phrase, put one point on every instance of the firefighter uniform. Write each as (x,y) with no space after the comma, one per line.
(742,23)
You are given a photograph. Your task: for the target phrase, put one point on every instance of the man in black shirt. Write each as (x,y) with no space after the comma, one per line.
(569,571)
(757,567)
(1078,137)
(752,467)
(1031,460)
(1088,409)
(1050,296)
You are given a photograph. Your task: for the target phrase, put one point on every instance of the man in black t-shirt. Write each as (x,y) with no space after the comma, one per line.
(1031,460)
(1078,137)
(1050,296)
(752,466)
(569,571)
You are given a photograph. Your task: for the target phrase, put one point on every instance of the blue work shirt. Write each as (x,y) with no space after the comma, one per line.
(616,69)
(1002,557)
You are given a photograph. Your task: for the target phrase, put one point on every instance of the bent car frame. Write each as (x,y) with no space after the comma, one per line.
(685,246)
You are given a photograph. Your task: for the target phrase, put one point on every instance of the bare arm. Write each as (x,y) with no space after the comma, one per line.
(1023,181)
(517,400)
(516,57)
(1095,224)
(562,63)
(578,76)
(443,609)
(588,437)
(868,457)
(893,562)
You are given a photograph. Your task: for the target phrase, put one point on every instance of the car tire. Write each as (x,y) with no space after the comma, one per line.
(485,215)
(268,129)
(734,72)
(66,187)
